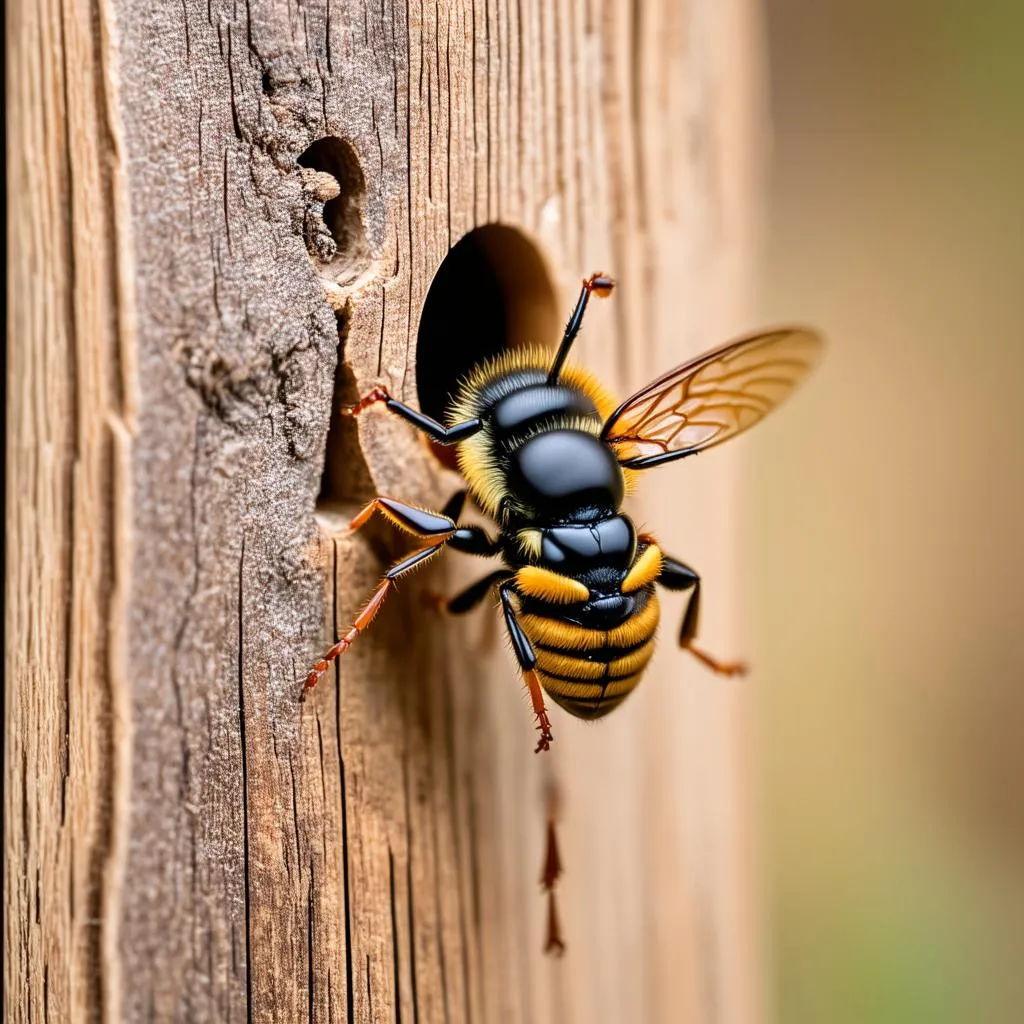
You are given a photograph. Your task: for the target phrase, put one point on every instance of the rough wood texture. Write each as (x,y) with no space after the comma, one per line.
(183,840)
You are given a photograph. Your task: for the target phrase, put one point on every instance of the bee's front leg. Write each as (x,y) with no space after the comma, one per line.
(435,431)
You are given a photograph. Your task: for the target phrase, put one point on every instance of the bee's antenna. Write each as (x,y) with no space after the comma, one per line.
(601,286)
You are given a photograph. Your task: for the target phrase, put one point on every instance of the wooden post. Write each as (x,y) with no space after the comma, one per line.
(183,840)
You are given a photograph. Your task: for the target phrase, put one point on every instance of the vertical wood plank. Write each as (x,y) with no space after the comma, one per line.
(185,841)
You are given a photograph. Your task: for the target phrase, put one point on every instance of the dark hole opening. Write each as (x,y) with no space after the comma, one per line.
(343,214)
(492,292)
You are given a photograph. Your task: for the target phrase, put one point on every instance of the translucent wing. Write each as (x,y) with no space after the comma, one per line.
(711,398)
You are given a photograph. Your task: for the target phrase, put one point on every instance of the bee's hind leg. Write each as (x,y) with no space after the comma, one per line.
(677,576)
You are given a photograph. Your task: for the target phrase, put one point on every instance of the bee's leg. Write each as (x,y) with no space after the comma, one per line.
(369,612)
(435,431)
(466,600)
(452,509)
(551,871)
(473,540)
(430,525)
(677,576)
(528,664)
(455,504)
(600,285)
(418,521)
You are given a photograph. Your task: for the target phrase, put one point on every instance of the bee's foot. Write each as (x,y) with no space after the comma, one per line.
(375,395)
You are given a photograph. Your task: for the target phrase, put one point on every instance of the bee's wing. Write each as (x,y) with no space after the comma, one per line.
(711,398)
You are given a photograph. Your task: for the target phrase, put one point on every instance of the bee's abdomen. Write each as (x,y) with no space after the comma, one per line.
(590,672)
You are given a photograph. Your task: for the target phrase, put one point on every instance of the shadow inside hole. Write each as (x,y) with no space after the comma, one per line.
(346,477)
(492,292)
(342,215)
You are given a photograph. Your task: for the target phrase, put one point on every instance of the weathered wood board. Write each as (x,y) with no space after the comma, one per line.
(183,840)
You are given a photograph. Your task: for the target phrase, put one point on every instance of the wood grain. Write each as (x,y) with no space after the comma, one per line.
(184,841)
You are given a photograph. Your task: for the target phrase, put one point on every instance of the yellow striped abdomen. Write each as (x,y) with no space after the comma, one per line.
(589,672)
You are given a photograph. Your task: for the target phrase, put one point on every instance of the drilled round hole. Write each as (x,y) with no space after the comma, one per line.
(336,236)
(491,293)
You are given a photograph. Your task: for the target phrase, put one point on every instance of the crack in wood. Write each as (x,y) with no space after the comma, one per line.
(310,973)
(396,963)
(246,879)
(349,985)
(409,894)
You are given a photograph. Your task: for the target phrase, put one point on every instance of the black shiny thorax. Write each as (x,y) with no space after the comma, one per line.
(544,441)
(565,474)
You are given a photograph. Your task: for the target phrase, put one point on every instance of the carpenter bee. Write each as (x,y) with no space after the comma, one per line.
(548,456)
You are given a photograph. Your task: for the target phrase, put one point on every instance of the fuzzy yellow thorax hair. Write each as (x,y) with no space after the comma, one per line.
(474,454)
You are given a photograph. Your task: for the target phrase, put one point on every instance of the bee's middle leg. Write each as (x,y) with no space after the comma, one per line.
(527,659)
(412,519)
(369,612)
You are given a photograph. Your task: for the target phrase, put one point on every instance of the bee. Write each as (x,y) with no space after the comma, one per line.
(548,456)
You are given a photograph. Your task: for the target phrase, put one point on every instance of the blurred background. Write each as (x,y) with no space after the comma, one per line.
(884,520)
